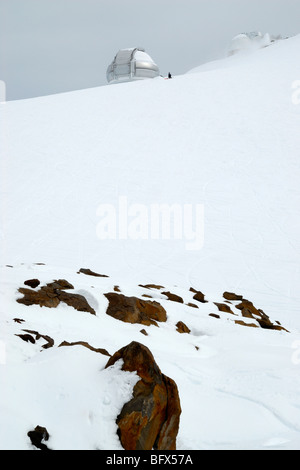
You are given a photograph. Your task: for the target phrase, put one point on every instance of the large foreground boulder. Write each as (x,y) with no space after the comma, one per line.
(150,420)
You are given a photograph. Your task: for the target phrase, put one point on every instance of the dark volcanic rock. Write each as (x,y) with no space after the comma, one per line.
(135,310)
(37,436)
(33,283)
(27,338)
(49,341)
(150,420)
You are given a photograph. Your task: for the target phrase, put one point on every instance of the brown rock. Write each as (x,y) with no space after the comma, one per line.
(52,294)
(151,286)
(167,436)
(192,305)
(134,310)
(223,307)
(182,328)
(150,420)
(45,297)
(49,341)
(86,345)
(250,311)
(241,322)
(198,295)
(32,283)
(88,272)
(60,284)
(246,304)
(76,301)
(247,313)
(27,338)
(173,297)
(214,315)
(232,296)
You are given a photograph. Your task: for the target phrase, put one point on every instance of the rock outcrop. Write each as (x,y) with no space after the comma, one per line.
(54,293)
(135,310)
(150,420)
(248,310)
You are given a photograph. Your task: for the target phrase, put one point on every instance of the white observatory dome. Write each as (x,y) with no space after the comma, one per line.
(247,42)
(131,64)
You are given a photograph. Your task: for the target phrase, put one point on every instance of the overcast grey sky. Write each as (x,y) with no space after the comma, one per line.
(52,46)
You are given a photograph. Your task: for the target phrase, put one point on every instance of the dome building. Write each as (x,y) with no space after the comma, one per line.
(131,64)
(252,41)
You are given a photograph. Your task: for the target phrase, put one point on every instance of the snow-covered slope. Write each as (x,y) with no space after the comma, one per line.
(226,138)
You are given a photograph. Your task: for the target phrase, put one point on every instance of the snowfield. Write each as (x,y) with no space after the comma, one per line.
(225,137)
